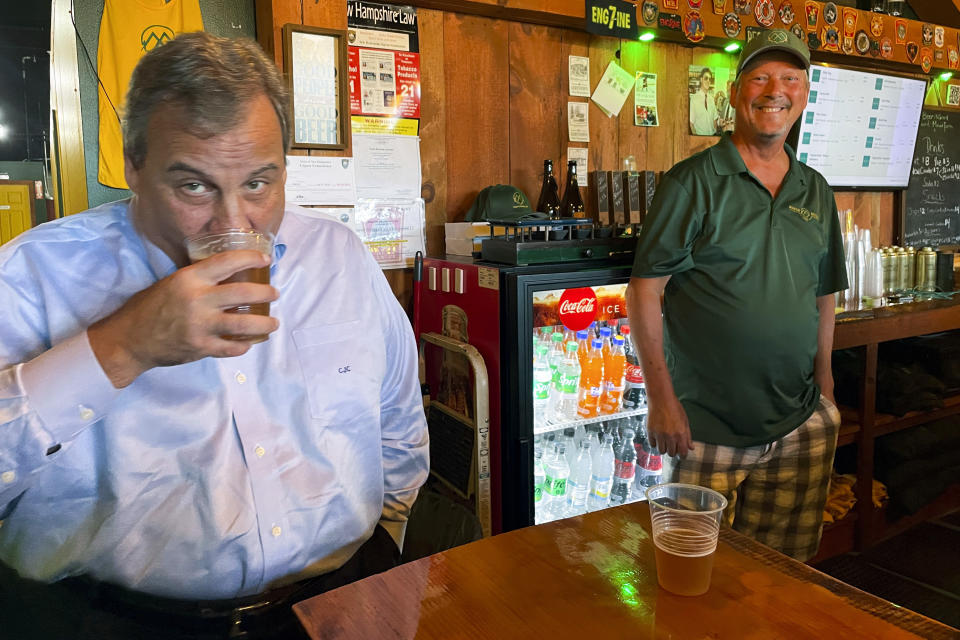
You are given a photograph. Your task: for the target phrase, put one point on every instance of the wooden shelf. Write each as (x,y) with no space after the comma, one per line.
(946,502)
(838,538)
(885,423)
(860,328)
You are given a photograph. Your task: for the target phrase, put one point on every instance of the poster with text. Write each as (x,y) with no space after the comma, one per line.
(384,66)
(645,100)
(711,113)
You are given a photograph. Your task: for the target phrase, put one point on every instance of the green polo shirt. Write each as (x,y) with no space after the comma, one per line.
(740,312)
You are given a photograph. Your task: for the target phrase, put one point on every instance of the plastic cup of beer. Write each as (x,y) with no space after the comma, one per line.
(686,525)
(204,245)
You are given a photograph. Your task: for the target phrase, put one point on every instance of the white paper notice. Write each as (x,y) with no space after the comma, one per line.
(613,89)
(316,180)
(579,155)
(387,166)
(391,229)
(578,121)
(579,72)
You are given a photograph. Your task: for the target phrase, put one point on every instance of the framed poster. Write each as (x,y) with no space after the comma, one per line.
(315,64)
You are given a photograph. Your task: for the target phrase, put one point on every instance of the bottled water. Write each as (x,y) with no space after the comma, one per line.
(542,379)
(579,483)
(601,475)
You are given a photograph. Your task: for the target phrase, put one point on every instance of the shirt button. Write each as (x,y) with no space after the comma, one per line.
(241,378)
(260,451)
(276,531)
(86,413)
(7,477)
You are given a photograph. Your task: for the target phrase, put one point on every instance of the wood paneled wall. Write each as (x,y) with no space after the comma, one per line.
(494,103)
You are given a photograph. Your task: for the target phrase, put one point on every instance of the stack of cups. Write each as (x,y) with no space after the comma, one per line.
(686,526)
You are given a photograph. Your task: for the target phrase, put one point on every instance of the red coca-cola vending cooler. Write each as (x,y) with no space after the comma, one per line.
(504,311)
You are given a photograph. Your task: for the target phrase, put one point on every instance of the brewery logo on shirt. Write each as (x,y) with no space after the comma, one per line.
(154,36)
(805,213)
(577,308)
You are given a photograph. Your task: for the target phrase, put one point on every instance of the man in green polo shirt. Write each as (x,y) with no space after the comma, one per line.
(731,305)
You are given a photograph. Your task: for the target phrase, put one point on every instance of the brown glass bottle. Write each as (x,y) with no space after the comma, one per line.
(549,200)
(572,204)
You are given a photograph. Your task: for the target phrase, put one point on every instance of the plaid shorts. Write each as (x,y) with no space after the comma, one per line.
(776,491)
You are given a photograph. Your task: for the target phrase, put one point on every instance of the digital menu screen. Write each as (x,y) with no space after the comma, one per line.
(859,129)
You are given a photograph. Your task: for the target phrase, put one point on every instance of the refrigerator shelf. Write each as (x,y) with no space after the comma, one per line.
(556,426)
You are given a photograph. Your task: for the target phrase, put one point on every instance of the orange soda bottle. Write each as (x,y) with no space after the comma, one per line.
(583,346)
(614,367)
(591,382)
(605,333)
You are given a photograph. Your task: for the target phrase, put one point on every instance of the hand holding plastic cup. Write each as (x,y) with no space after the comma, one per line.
(686,525)
(202,246)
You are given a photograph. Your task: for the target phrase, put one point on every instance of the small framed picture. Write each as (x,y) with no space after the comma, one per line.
(315,65)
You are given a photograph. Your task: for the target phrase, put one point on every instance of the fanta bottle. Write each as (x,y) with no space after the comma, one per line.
(605,334)
(614,367)
(591,382)
(583,345)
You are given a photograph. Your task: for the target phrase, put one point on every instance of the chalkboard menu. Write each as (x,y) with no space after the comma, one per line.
(932,215)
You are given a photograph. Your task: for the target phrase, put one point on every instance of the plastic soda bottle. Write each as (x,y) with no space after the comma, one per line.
(569,384)
(579,483)
(542,383)
(635,390)
(556,473)
(539,480)
(614,369)
(591,382)
(583,345)
(601,475)
(625,468)
(605,336)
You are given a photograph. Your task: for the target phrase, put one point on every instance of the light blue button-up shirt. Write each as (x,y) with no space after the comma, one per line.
(217,478)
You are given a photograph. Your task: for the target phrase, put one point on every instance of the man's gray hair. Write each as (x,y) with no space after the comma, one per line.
(211,78)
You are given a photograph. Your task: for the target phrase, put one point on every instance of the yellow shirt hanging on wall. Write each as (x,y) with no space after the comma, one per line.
(129,29)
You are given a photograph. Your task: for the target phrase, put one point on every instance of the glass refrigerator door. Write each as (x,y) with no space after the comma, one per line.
(589,404)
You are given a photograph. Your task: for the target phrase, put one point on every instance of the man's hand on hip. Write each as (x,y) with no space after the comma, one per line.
(668,429)
(182,318)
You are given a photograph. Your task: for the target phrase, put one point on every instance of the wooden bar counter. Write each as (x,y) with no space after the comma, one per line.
(594,577)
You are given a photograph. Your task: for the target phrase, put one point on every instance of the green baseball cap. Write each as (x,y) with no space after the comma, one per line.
(774,40)
(502,202)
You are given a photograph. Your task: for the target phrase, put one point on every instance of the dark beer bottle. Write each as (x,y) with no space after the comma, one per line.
(549,200)
(572,204)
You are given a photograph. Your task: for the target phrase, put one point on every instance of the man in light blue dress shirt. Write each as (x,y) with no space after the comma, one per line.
(148,455)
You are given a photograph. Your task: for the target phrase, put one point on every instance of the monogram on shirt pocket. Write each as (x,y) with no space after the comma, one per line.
(340,371)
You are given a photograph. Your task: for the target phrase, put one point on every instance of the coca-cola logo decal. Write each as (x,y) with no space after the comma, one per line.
(578,308)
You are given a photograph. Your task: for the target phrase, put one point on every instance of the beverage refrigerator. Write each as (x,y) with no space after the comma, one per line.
(505,312)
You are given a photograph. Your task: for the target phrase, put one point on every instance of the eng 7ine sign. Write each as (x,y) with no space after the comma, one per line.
(612,18)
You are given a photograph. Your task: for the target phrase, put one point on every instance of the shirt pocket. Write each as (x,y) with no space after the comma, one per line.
(341,371)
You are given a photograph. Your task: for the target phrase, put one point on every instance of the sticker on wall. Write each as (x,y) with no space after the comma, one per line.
(926,59)
(786,12)
(695,4)
(671,4)
(863,42)
(876,25)
(731,25)
(831,39)
(938,36)
(901,31)
(847,46)
(830,13)
(886,48)
(849,22)
(649,12)
(693,26)
(670,21)
(875,48)
(765,12)
(912,50)
(812,11)
(719,6)
(952,58)
(742,7)
(798,31)
(927,32)
(813,41)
